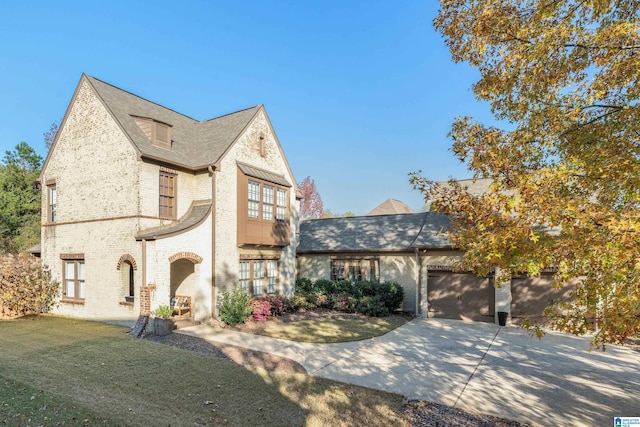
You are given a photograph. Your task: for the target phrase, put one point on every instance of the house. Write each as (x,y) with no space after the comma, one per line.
(142,203)
(391,206)
(413,250)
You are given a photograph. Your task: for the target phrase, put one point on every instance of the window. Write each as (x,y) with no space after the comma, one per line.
(262,197)
(267,202)
(167,194)
(244,276)
(257,277)
(162,135)
(254,199)
(53,199)
(272,276)
(128,283)
(159,133)
(281,208)
(73,279)
(355,270)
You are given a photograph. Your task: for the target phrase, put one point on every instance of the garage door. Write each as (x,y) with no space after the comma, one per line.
(460,296)
(530,296)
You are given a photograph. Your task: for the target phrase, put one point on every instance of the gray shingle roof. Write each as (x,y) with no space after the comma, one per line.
(195,144)
(399,232)
(197,213)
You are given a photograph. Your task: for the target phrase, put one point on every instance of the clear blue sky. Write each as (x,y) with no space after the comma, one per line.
(360,93)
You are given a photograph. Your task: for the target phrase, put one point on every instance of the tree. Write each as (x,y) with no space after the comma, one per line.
(50,135)
(19,199)
(26,286)
(311,205)
(564,78)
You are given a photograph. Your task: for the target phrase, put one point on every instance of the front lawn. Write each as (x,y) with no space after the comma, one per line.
(55,370)
(319,329)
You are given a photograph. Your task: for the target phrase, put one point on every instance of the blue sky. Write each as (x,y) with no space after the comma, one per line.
(360,93)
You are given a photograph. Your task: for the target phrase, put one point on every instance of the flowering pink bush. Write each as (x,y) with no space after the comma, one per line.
(261,309)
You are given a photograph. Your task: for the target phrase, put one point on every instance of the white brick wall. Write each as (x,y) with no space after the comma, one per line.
(106,195)
(246,150)
(95,168)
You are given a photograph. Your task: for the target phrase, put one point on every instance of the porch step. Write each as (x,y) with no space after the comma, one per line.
(184,322)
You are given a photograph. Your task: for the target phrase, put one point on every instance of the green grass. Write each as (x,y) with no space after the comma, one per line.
(56,370)
(328,330)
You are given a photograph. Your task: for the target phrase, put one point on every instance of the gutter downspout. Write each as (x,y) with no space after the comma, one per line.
(214,308)
(418,280)
(144,262)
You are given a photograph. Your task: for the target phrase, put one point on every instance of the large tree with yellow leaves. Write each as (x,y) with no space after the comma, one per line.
(563,79)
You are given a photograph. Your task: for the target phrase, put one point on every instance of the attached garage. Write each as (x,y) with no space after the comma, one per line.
(463,296)
(530,296)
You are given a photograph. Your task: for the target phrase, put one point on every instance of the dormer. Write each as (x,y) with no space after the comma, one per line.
(159,133)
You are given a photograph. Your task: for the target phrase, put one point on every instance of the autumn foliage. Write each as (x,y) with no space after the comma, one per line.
(563,80)
(25,286)
(311,203)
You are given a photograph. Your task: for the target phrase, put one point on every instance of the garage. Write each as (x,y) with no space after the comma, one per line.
(530,296)
(465,296)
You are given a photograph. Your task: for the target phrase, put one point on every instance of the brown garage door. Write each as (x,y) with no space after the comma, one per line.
(530,296)
(460,296)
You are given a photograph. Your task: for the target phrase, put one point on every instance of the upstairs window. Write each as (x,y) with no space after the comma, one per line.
(162,135)
(254,199)
(158,133)
(53,200)
(266,202)
(281,207)
(167,194)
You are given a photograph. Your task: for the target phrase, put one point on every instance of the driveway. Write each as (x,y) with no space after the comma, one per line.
(477,367)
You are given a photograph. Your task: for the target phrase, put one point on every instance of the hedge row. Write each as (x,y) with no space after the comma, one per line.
(370,298)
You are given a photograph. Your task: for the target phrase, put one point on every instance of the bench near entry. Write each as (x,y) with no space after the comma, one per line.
(181,304)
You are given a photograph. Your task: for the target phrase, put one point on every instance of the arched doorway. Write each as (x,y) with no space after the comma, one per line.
(183,277)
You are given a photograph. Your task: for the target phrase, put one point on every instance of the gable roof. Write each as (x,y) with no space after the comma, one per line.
(399,232)
(195,144)
(391,206)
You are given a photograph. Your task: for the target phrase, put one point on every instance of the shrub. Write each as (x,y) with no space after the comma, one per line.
(364,289)
(345,303)
(372,306)
(26,286)
(322,301)
(324,287)
(163,312)
(280,304)
(392,295)
(234,307)
(261,310)
(344,287)
(304,286)
(300,302)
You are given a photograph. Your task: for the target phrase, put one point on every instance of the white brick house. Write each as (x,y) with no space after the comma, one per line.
(141,203)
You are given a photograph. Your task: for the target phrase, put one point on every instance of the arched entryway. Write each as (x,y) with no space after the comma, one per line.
(183,277)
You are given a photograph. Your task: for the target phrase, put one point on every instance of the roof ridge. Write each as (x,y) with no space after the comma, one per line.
(233,112)
(142,98)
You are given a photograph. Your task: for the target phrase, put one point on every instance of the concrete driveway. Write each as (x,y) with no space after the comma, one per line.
(477,367)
